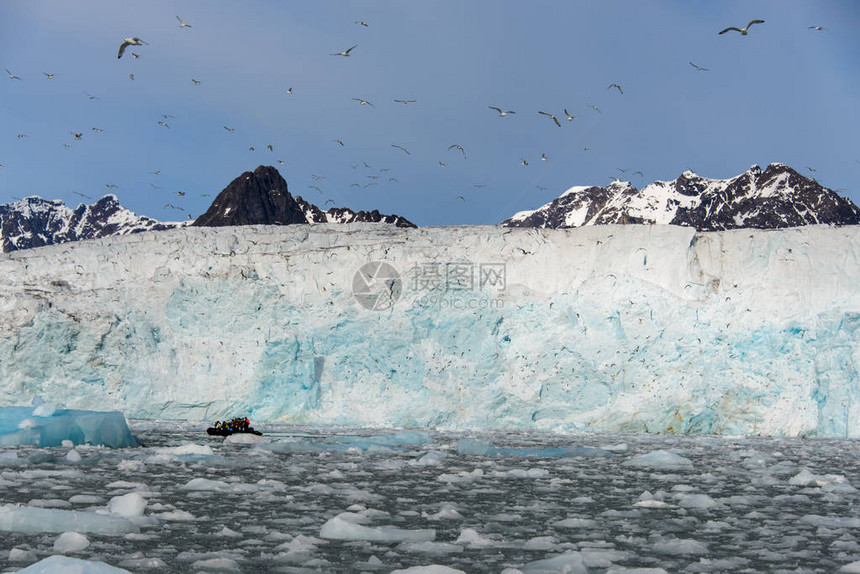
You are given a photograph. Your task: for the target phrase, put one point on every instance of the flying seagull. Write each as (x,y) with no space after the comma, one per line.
(555,119)
(819,28)
(196,82)
(231,130)
(501,113)
(700,68)
(569,117)
(595,108)
(361,23)
(340,143)
(50,76)
(77,135)
(743,31)
(620,91)
(129,42)
(524,161)
(12,76)
(401,148)
(405,101)
(459,147)
(363,102)
(270,147)
(182,24)
(163,124)
(90,96)
(290,91)
(345,52)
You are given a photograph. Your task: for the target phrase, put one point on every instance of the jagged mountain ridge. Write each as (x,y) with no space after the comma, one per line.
(773,198)
(258,197)
(34,222)
(262,197)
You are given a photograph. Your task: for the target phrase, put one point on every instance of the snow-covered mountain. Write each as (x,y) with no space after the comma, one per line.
(616,328)
(258,197)
(34,222)
(261,197)
(774,198)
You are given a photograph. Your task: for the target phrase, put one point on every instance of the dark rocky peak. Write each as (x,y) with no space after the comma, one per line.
(258,197)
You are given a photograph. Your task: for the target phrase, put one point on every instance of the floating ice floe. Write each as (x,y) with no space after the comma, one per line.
(431,569)
(479,447)
(15,518)
(48,426)
(660,460)
(68,542)
(347,526)
(58,564)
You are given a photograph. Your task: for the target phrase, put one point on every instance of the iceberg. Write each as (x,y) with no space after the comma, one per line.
(52,426)
(617,328)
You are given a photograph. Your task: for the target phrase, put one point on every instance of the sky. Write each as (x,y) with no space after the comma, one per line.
(783,93)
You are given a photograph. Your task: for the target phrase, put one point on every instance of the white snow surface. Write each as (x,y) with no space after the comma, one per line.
(613,328)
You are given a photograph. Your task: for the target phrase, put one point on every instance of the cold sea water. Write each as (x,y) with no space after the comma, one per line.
(371,500)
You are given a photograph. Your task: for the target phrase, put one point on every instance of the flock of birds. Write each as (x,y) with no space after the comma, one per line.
(376,175)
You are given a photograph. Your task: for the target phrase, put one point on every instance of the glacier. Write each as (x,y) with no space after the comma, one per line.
(617,328)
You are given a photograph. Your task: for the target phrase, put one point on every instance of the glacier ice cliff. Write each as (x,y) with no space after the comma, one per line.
(613,328)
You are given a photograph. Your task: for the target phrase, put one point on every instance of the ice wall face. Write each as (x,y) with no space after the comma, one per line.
(614,328)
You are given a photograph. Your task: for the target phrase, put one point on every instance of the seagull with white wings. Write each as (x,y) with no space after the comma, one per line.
(135,41)
(743,31)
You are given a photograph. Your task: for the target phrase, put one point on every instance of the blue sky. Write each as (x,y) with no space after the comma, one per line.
(783,93)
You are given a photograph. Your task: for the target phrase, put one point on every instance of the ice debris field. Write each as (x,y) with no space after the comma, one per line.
(632,328)
(304,499)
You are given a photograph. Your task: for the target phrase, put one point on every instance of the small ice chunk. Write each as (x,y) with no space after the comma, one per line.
(131,504)
(462,476)
(67,443)
(431,569)
(851,568)
(622,570)
(205,484)
(68,542)
(28,519)
(73,456)
(427,547)
(193,449)
(432,458)
(45,410)
(128,465)
(473,538)
(700,501)
(476,447)
(806,478)
(661,460)
(569,562)
(679,546)
(576,523)
(20,555)
(344,527)
(86,499)
(244,438)
(216,565)
(55,564)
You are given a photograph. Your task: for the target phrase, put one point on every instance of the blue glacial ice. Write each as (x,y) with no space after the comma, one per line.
(45,425)
(614,328)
